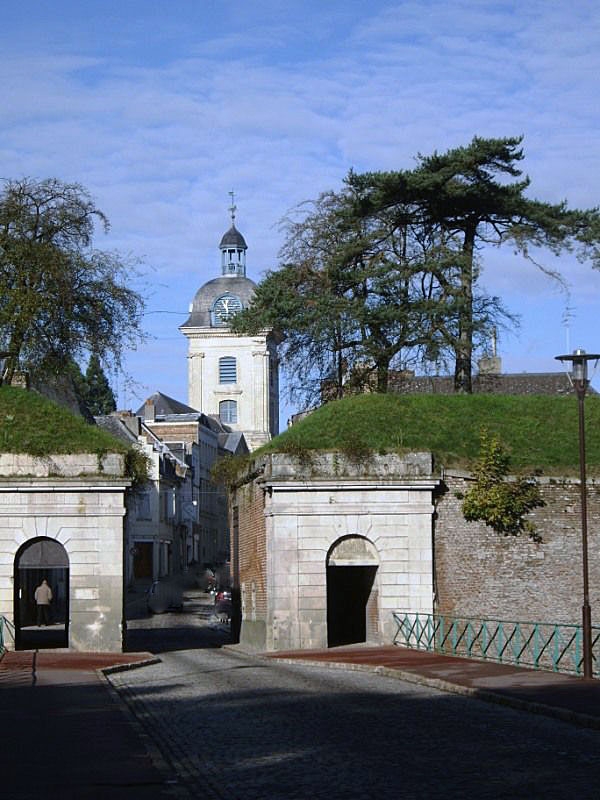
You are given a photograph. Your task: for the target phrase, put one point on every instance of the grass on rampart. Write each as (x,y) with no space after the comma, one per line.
(32,424)
(540,432)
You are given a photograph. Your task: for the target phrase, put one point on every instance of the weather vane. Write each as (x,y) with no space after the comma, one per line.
(232,207)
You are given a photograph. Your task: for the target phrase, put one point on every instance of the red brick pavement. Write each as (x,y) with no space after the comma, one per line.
(565,696)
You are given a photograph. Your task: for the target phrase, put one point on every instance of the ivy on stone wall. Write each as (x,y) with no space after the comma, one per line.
(502,504)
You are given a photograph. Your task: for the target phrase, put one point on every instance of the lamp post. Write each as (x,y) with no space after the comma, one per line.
(579,379)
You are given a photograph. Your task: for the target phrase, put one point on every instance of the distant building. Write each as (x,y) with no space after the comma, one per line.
(234,378)
(198,440)
(489,380)
(178,519)
(156,526)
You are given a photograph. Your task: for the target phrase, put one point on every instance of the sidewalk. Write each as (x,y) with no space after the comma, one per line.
(565,697)
(66,735)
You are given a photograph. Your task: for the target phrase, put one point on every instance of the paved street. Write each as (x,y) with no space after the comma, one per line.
(239,727)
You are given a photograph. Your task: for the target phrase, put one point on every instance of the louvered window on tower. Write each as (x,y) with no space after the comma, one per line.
(227,370)
(228,411)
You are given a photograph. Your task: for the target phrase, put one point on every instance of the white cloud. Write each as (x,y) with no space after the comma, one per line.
(277,102)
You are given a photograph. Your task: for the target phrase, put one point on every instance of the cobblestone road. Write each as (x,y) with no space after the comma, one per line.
(241,728)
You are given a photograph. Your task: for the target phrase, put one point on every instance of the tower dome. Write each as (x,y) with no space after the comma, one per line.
(202,309)
(219,299)
(232,376)
(233,249)
(233,238)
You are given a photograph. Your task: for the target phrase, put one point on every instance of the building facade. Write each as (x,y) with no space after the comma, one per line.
(197,441)
(231,377)
(324,552)
(157,526)
(62,519)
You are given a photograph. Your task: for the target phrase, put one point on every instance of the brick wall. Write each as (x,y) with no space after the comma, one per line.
(252,550)
(484,574)
(544,383)
(175,432)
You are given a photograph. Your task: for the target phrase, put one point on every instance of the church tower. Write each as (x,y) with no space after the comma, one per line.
(234,378)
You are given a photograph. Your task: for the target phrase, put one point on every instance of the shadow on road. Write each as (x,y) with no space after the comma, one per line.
(194,628)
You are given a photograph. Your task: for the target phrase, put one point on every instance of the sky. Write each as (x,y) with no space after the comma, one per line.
(161,109)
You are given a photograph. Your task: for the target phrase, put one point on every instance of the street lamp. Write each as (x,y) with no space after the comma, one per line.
(579,379)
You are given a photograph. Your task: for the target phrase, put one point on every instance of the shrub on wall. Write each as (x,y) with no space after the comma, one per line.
(499,503)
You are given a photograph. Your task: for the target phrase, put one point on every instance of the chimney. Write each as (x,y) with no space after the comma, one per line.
(490,365)
(149,411)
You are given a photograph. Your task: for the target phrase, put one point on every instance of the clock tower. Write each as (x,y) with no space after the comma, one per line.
(234,378)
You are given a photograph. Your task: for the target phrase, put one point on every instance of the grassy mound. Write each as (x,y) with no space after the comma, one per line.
(30,423)
(541,433)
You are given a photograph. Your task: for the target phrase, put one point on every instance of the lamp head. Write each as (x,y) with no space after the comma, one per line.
(579,359)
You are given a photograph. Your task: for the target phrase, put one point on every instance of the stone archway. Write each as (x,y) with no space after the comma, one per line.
(352,592)
(37,559)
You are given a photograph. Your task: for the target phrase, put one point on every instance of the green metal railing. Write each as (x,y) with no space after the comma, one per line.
(6,629)
(540,645)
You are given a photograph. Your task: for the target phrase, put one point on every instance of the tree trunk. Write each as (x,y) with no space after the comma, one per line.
(340,375)
(463,369)
(383,374)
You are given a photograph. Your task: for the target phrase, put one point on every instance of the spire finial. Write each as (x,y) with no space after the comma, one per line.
(232,207)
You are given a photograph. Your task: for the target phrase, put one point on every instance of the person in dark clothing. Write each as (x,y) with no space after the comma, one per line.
(43,598)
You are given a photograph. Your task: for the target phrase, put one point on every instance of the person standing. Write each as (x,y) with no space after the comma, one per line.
(43,598)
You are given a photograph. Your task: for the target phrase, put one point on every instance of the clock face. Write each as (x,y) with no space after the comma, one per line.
(225,308)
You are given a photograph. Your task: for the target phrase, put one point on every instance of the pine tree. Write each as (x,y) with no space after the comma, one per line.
(99,396)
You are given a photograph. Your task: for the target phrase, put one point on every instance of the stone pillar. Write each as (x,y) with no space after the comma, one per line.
(195,363)
(260,375)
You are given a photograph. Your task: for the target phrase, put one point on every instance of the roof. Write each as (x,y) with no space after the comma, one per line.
(165,405)
(233,238)
(238,285)
(521,383)
(166,409)
(115,426)
(234,442)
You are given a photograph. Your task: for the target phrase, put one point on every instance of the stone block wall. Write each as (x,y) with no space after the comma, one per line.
(293,514)
(86,517)
(64,465)
(480,573)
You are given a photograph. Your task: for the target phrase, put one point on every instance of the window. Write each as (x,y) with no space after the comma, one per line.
(167,505)
(227,370)
(228,411)
(142,503)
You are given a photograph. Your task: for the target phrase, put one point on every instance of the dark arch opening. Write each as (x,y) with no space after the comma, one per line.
(38,559)
(348,593)
(351,592)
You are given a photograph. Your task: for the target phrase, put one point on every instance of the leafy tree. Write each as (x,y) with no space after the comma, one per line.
(467,194)
(59,297)
(359,294)
(499,503)
(98,395)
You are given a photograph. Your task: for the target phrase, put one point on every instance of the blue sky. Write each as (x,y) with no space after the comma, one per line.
(160,109)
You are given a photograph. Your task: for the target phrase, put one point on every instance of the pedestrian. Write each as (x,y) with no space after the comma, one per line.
(43,598)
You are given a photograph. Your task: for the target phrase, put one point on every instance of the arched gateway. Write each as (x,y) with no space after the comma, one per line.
(35,560)
(352,593)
